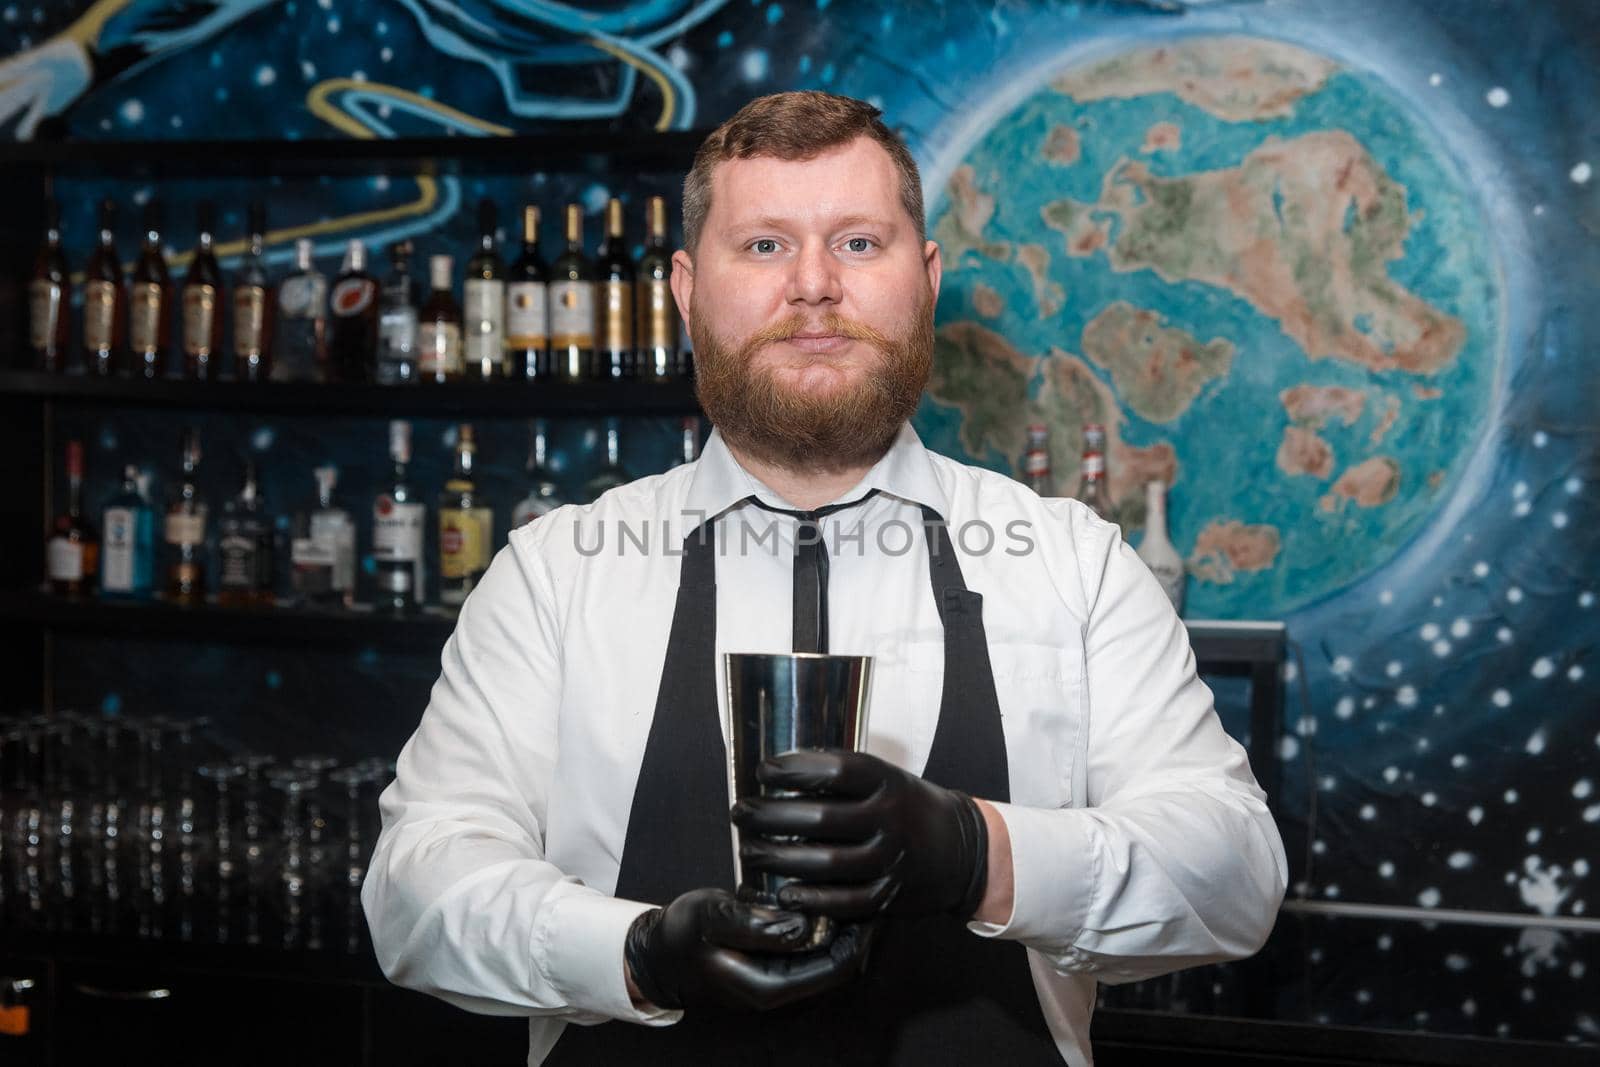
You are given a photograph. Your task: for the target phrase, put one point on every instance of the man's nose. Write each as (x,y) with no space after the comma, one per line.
(814,276)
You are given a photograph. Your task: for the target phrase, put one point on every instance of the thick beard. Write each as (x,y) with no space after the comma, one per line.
(801,432)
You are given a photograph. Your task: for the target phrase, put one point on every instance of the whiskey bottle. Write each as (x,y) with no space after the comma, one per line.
(527,294)
(150,302)
(71,553)
(544,495)
(398,519)
(185,530)
(689,447)
(439,329)
(612,473)
(1156,548)
(572,306)
(300,341)
(244,547)
(659,358)
(466,526)
(202,301)
(102,299)
(1036,461)
(49,296)
(1092,488)
(397,320)
(128,554)
(324,548)
(253,299)
(483,298)
(613,327)
(353,318)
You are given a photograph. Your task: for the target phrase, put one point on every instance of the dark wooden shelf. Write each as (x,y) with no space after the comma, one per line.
(507,399)
(1217,642)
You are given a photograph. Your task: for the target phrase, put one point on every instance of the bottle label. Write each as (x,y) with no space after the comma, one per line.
(186,529)
(352,296)
(572,314)
(300,296)
(464,541)
(1094,465)
(484,309)
(199,319)
(99,315)
(616,316)
(239,567)
(145,305)
(1170,574)
(249,321)
(397,334)
(527,322)
(64,559)
(337,534)
(117,548)
(658,318)
(44,312)
(439,348)
(397,530)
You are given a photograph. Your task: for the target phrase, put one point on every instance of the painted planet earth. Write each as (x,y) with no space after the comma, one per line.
(1260,271)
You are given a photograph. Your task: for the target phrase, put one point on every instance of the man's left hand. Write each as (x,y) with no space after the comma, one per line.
(872,838)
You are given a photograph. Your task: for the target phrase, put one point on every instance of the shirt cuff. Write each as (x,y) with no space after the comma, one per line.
(1053,876)
(578,947)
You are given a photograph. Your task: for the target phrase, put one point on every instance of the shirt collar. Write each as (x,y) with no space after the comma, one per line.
(905,471)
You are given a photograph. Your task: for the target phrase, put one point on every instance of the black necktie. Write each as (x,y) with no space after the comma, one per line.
(811,573)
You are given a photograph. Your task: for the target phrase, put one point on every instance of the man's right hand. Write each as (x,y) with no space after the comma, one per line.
(706,949)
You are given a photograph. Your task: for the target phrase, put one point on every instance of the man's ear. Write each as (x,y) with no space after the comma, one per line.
(933,262)
(682,281)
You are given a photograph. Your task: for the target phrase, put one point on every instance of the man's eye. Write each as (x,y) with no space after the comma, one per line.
(859,244)
(766,246)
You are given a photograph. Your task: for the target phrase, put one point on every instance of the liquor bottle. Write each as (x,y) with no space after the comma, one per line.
(689,451)
(1092,489)
(353,318)
(102,299)
(544,495)
(398,520)
(150,302)
(323,551)
(253,298)
(1156,548)
(186,530)
(527,296)
(658,314)
(613,324)
(397,320)
(612,473)
(483,299)
(439,329)
(244,547)
(49,296)
(128,555)
(572,306)
(71,554)
(300,340)
(202,304)
(466,526)
(1036,461)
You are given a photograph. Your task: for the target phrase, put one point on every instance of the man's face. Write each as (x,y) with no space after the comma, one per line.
(810,303)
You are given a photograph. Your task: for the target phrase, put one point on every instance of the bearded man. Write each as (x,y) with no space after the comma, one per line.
(1045,800)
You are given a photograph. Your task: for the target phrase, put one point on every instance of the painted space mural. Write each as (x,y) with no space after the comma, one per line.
(1328,269)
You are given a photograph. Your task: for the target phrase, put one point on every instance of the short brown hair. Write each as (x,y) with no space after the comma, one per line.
(794,126)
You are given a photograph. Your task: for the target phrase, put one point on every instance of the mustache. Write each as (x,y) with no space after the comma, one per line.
(831,322)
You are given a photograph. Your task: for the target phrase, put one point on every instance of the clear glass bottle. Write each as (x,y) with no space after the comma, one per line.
(397,320)
(527,307)
(544,495)
(1156,548)
(202,301)
(185,530)
(483,299)
(1036,461)
(323,552)
(659,358)
(150,302)
(466,525)
(1092,487)
(439,329)
(253,299)
(127,556)
(353,318)
(50,296)
(72,551)
(245,572)
(612,473)
(572,306)
(102,299)
(300,340)
(399,519)
(613,324)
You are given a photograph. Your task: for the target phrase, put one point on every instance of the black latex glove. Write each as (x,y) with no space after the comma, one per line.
(873,838)
(706,949)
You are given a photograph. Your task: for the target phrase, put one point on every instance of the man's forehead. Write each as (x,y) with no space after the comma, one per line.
(856,180)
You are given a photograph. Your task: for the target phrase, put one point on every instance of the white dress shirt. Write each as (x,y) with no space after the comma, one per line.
(1140,840)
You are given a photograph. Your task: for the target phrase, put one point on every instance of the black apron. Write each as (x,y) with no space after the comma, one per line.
(933,992)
